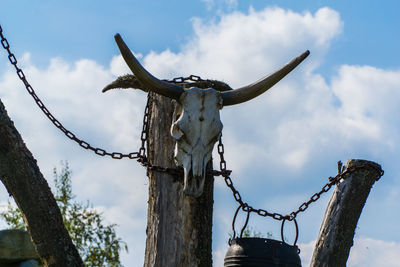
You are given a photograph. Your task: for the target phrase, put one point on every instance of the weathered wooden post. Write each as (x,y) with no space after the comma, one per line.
(341,216)
(179,222)
(178,226)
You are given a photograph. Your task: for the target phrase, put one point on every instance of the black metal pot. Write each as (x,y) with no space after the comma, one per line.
(261,252)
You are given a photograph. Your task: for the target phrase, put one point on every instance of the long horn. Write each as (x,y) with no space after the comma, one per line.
(145,78)
(248,92)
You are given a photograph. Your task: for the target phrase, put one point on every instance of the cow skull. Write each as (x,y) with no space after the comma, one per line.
(196,130)
(197,124)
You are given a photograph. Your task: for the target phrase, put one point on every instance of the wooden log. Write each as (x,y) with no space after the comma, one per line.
(179,227)
(25,183)
(341,216)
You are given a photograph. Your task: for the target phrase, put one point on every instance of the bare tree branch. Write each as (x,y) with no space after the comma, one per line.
(24,181)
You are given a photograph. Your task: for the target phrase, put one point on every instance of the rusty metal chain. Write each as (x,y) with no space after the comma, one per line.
(292,216)
(58,124)
(143,160)
(140,156)
(193,78)
(342,174)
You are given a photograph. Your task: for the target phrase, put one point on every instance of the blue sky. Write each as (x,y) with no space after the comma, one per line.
(341,103)
(85,28)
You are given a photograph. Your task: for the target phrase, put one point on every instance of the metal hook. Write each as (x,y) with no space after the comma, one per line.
(233,224)
(297,231)
(244,207)
(247,219)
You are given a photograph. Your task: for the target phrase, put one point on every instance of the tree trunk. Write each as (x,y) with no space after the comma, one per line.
(337,230)
(179,227)
(23,180)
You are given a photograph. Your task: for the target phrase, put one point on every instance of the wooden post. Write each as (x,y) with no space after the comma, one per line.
(337,230)
(24,181)
(178,227)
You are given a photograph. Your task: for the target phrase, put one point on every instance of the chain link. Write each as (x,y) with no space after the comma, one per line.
(292,216)
(59,125)
(193,78)
(140,155)
(332,181)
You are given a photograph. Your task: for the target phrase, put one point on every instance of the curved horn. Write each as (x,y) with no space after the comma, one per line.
(144,77)
(248,92)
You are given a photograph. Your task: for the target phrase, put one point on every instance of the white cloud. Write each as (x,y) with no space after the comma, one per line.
(232,4)
(72,92)
(209,4)
(366,252)
(302,121)
(369,101)
(219,255)
(221,5)
(241,48)
(118,66)
(306,252)
(369,252)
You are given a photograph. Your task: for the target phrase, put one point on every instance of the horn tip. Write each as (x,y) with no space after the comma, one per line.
(117,36)
(306,54)
(303,56)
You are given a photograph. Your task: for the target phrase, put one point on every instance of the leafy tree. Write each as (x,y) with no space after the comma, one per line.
(97,243)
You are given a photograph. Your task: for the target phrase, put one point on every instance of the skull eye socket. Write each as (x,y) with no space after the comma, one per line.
(196,127)
(176,132)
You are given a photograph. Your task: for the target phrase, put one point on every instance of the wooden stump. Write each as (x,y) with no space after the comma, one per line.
(337,230)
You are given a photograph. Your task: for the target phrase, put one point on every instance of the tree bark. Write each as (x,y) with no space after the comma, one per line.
(24,181)
(337,230)
(179,227)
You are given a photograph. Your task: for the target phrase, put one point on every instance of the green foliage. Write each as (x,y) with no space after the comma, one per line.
(13,217)
(97,243)
(252,232)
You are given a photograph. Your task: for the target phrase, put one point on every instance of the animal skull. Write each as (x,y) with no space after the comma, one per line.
(196,131)
(198,126)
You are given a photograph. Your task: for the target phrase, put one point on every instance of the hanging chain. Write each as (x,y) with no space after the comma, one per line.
(292,216)
(141,154)
(193,78)
(173,171)
(58,124)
